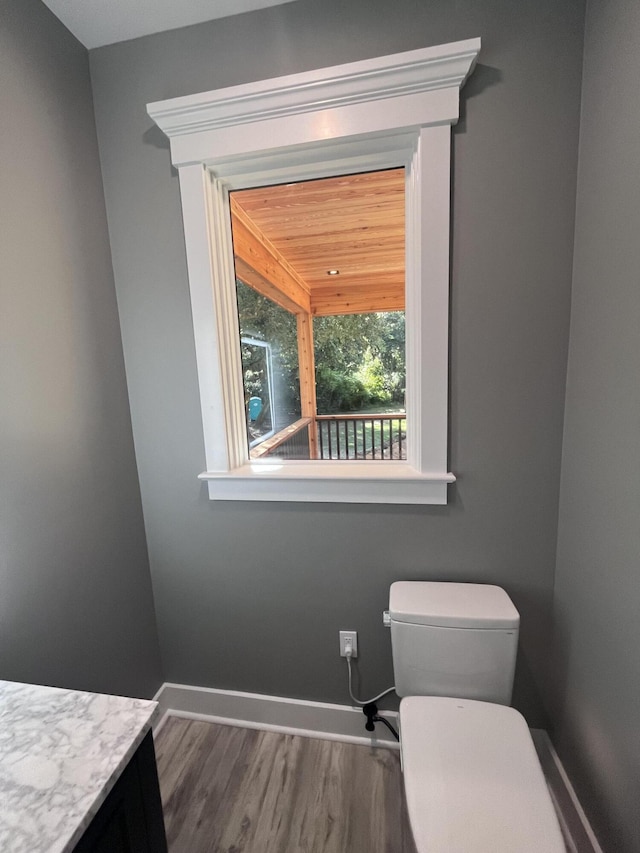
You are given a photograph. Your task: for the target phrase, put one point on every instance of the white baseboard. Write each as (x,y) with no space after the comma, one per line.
(272,713)
(345,723)
(576,828)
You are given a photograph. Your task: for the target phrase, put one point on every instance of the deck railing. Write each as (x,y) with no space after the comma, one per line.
(292,442)
(381,436)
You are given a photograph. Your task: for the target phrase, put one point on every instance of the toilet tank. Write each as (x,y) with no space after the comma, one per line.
(453,639)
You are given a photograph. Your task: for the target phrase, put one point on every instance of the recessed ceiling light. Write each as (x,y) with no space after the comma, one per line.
(333,272)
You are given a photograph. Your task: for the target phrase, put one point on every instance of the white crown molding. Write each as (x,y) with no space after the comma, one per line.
(409,73)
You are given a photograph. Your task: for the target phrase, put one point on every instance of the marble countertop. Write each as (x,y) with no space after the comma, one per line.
(61,752)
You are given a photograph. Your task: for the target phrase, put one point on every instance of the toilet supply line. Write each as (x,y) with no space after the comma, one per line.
(348,656)
(370,709)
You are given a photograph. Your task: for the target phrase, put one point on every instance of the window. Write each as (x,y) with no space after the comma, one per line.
(327,255)
(392,112)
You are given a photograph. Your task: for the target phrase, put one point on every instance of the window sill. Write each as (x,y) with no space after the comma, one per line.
(329,482)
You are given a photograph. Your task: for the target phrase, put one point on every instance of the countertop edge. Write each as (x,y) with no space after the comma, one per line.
(111,781)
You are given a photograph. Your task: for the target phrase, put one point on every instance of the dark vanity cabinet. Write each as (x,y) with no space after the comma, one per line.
(130,819)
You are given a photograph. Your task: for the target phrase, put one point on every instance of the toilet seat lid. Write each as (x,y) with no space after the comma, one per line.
(472,779)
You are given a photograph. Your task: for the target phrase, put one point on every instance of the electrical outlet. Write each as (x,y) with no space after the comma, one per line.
(349,640)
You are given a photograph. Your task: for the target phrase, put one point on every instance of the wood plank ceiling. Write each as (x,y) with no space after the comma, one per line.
(352,223)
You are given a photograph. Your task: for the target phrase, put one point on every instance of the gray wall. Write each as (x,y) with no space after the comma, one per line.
(597,709)
(76,607)
(251,596)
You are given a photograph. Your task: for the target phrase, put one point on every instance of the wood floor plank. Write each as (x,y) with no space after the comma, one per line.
(204,799)
(232,790)
(302,803)
(188,797)
(222,785)
(325,811)
(243,817)
(274,822)
(177,751)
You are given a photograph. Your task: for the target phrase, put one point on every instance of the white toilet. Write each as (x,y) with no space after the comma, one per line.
(472,778)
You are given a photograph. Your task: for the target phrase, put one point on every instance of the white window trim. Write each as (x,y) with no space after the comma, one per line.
(379,113)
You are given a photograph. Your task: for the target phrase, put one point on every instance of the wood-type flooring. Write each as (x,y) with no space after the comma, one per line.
(232,790)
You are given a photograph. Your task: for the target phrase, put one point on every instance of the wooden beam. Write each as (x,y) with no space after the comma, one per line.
(357,299)
(307,371)
(260,265)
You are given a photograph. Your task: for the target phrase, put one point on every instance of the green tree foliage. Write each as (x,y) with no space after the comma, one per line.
(338,392)
(360,358)
(372,375)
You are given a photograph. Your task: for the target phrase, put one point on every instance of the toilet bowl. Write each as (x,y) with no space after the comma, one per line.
(471,774)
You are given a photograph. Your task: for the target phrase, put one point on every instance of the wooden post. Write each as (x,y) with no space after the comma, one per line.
(306,363)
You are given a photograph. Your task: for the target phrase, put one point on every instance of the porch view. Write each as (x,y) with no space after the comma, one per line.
(348,436)
(320,287)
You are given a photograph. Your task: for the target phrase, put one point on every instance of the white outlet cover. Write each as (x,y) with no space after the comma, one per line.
(353,636)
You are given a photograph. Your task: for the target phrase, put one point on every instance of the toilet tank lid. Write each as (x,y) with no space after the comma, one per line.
(452,605)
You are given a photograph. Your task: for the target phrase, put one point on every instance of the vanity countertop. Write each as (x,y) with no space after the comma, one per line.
(61,752)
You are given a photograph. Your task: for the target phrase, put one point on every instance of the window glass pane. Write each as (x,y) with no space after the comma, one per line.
(269,350)
(323,248)
(360,385)
(360,361)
